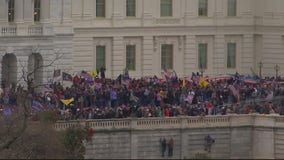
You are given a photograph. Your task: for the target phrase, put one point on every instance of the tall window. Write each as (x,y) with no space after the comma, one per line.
(166,8)
(100,8)
(130,57)
(231,55)
(100,56)
(202,55)
(130,8)
(36,10)
(11,10)
(232,8)
(167,56)
(202,7)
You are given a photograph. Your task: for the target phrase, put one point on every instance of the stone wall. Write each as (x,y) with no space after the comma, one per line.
(236,136)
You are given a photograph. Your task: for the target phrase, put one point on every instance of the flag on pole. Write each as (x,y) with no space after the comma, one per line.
(56,75)
(85,74)
(66,76)
(202,82)
(94,73)
(183,83)
(234,91)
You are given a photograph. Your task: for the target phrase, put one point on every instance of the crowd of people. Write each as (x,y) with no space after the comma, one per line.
(100,98)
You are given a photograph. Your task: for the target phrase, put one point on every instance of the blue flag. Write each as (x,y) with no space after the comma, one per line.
(7,111)
(37,105)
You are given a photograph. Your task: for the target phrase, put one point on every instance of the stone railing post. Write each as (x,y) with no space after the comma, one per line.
(134,139)
(263,137)
(184,137)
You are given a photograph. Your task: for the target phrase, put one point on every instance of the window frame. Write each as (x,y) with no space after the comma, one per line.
(100,8)
(203,11)
(231,4)
(130,8)
(11,9)
(130,57)
(202,65)
(100,59)
(167,56)
(230,55)
(168,5)
(37,11)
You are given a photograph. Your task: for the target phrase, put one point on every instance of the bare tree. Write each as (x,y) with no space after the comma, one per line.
(18,133)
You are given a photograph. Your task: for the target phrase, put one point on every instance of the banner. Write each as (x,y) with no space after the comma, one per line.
(67,101)
(66,77)
(56,73)
(203,82)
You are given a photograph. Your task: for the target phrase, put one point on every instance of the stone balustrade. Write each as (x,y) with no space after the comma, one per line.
(35,30)
(27,30)
(9,30)
(237,136)
(233,120)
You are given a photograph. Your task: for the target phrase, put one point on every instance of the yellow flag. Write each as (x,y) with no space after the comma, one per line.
(203,82)
(183,83)
(93,72)
(67,101)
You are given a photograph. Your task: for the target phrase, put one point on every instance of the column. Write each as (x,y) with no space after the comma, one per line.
(190,11)
(19,11)
(28,11)
(3,11)
(118,56)
(219,8)
(147,55)
(219,54)
(190,55)
(117,16)
(45,9)
(247,56)
(66,8)
(87,9)
(272,53)
(148,13)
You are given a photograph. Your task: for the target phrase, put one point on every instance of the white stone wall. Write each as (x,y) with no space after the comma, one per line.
(71,26)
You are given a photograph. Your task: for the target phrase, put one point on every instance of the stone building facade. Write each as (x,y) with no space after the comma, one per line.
(145,36)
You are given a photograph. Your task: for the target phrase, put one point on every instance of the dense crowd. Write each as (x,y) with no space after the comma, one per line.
(101,98)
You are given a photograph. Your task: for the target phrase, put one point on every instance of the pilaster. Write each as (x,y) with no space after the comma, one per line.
(219,54)
(247,56)
(19,11)
(117,59)
(28,11)
(147,55)
(3,11)
(190,55)
(117,15)
(45,9)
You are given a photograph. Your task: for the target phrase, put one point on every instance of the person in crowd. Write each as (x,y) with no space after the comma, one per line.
(170,147)
(163,142)
(209,140)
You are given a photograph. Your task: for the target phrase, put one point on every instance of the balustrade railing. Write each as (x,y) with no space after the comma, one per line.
(8,30)
(35,30)
(177,122)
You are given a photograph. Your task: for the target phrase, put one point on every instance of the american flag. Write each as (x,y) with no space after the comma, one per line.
(234,91)
(85,74)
